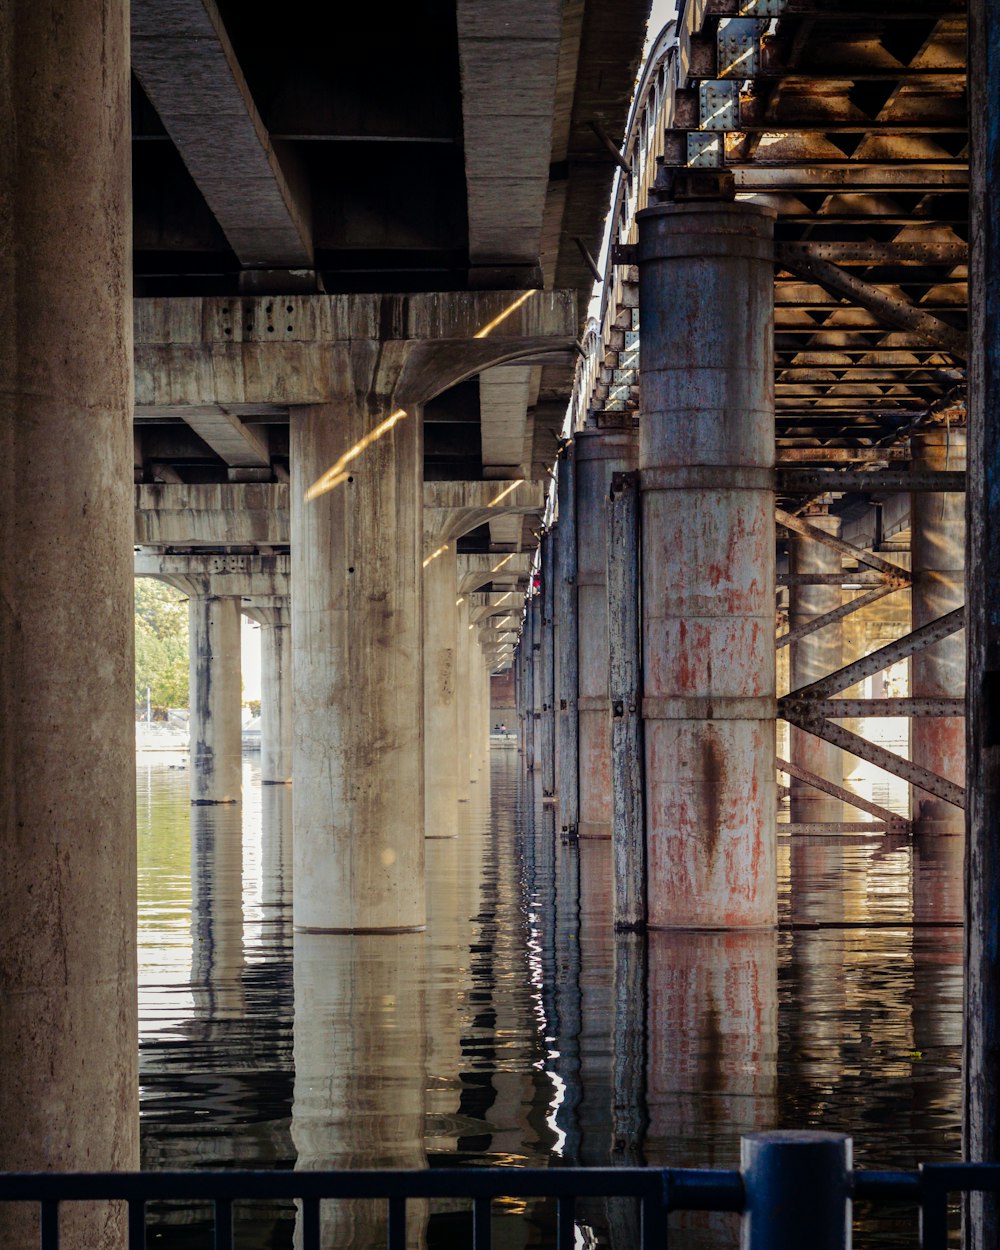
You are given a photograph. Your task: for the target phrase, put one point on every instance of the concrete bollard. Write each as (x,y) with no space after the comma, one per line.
(798,1191)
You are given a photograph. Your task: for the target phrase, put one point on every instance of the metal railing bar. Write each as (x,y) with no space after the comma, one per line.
(653,1218)
(310,1224)
(223,1224)
(397,1224)
(482,1224)
(49,1233)
(887,1186)
(137,1224)
(691,1189)
(565,1223)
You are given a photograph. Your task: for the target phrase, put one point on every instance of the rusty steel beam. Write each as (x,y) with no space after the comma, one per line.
(793,711)
(892,819)
(903,647)
(839,455)
(813,481)
(800,259)
(837,614)
(914,705)
(848,579)
(892,572)
(799,827)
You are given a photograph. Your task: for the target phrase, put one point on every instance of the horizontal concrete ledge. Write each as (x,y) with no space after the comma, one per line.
(707,477)
(305,928)
(286,782)
(691,707)
(771,927)
(213,802)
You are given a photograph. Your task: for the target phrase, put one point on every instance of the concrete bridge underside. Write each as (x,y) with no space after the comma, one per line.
(359,252)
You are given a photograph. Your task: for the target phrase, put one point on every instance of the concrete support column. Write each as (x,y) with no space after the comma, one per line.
(937,546)
(357,670)
(216,732)
(275,694)
(706,455)
(813,657)
(599,455)
(68,1046)
(441,761)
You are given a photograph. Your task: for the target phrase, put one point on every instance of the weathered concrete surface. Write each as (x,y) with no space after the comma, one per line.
(275,622)
(357,664)
(68,1046)
(259,577)
(190,73)
(298,350)
(706,455)
(599,455)
(216,763)
(441,762)
(937,549)
(813,657)
(245,514)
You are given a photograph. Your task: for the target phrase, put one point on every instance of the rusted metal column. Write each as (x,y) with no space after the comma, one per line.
(568,737)
(600,455)
(533,632)
(706,457)
(814,657)
(358,673)
(69,1093)
(216,773)
(547,667)
(937,546)
(441,788)
(981,1131)
(628,818)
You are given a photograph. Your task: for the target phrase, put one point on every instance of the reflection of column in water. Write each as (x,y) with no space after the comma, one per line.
(276,852)
(217,913)
(567,989)
(937,993)
(454,866)
(629,1114)
(360,1046)
(595,983)
(713,1018)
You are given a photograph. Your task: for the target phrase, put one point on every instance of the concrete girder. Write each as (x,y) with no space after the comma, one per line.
(255,514)
(452,509)
(261,578)
(303,350)
(478,569)
(238,444)
(189,71)
(508,85)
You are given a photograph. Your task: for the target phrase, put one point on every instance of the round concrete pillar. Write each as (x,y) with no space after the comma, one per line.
(937,545)
(441,762)
(275,695)
(216,761)
(706,456)
(599,455)
(464,696)
(814,656)
(68,1046)
(357,754)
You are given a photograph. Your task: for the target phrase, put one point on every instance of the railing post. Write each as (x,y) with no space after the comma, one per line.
(798,1191)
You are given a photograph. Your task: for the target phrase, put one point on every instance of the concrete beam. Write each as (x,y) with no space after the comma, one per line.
(212,515)
(452,509)
(257,577)
(509,55)
(182,56)
(301,350)
(475,570)
(255,514)
(239,445)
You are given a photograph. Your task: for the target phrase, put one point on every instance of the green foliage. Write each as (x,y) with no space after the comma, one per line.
(161,644)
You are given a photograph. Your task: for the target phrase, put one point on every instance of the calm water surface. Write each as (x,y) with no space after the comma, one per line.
(517,1030)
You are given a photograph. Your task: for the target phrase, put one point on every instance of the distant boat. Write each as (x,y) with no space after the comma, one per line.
(158,736)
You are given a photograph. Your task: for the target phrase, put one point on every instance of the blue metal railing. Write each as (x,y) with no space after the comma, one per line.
(787,1198)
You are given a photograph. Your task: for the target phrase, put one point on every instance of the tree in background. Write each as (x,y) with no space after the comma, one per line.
(161,644)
